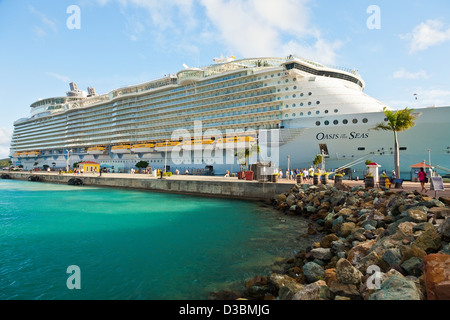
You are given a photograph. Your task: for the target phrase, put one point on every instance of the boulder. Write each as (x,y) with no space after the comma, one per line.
(413,266)
(359,251)
(313,272)
(429,240)
(322,253)
(314,291)
(330,276)
(290,200)
(417,215)
(328,239)
(392,256)
(344,290)
(396,287)
(445,200)
(346,273)
(280,198)
(347,228)
(444,229)
(437,276)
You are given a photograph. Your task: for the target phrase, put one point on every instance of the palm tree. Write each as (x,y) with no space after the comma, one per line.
(397,121)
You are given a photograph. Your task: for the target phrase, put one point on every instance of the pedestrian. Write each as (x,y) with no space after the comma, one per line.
(422,175)
(281,174)
(305,174)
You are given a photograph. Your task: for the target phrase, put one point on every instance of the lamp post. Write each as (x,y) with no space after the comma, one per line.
(67,161)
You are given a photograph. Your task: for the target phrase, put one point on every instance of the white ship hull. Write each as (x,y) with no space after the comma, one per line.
(143,150)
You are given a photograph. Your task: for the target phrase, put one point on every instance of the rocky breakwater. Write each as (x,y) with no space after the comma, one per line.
(376,244)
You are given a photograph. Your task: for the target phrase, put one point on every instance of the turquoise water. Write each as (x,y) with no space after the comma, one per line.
(132,244)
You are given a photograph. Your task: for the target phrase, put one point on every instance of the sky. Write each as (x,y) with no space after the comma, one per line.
(400,48)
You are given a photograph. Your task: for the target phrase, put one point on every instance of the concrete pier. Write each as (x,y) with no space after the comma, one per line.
(191,185)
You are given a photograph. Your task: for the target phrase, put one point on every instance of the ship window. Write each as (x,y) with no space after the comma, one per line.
(301,94)
(326,111)
(336,110)
(345,121)
(336,122)
(294,96)
(301,114)
(327,122)
(286,116)
(287,106)
(309,113)
(317,112)
(361,149)
(295,79)
(309,93)
(318,102)
(293,114)
(287,88)
(309,103)
(365,120)
(403,148)
(294,105)
(295,87)
(287,80)
(271,76)
(355,121)
(278,90)
(317,123)
(301,104)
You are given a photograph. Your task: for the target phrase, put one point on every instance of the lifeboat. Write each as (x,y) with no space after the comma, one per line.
(235,142)
(124,148)
(197,144)
(143,148)
(163,146)
(96,150)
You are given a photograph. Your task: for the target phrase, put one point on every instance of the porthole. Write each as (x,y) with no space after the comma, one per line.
(301,114)
(318,102)
(287,88)
(365,120)
(293,114)
(317,123)
(286,116)
(326,111)
(301,104)
(317,112)
(301,94)
(309,113)
(309,103)
(355,121)
(345,121)
(295,79)
(287,80)
(295,87)
(336,110)
(294,105)
(335,122)
(287,106)
(294,96)
(309,93)
(327,122)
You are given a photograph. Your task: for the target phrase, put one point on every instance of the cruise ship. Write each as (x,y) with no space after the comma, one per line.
(293,108)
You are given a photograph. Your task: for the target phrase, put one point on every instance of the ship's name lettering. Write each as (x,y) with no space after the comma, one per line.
(335,136)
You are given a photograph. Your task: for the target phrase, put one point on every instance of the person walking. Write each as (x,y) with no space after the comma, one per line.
(422,175)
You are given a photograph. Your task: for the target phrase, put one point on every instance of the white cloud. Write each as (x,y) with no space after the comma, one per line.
(5,140)
(430,97)
(62,78)
(427,34)
(269,28)
(46,23)
(404,74)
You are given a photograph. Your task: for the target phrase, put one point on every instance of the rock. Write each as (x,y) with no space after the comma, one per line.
(359,251)
(408,252)
(344,290)
(346,229)
(406,227)
(328,239)
(330,276)
(396,287)
(280,198)
(437,276)
(392,256)
(413,266)
(346,273)
(290,200)
(283,286)
(445,200)
(314,291)
(429,240)
(313,272)
(288,291)
(439,212)
(338,246)
(417,215)
(444,229)
(322,253)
